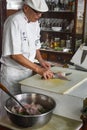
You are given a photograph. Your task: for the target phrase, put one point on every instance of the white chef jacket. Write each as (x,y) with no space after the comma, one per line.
(19,37)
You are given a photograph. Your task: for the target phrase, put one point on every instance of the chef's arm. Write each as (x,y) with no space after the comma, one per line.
(19,58)
(43,63)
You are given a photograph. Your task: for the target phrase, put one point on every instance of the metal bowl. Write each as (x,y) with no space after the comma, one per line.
(35,121)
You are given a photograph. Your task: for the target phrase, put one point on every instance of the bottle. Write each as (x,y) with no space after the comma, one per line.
(47,41)
(57,40)
(70,4)
(73,6)
(59,4)
(62,44)
(68,42)
(52,43)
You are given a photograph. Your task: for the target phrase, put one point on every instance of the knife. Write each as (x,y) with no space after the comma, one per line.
(61,76)
(84,53)
(66,74)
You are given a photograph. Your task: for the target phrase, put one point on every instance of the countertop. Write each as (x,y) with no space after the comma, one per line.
(56,123)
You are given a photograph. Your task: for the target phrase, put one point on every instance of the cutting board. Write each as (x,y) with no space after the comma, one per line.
(57,85)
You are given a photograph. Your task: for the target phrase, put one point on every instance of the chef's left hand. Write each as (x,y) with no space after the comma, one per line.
(45,64)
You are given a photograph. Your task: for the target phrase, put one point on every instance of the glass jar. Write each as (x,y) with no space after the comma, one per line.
(57,42)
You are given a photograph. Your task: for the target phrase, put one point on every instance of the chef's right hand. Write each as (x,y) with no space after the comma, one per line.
(46,74)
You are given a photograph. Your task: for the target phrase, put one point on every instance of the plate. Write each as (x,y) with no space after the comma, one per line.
(56,28)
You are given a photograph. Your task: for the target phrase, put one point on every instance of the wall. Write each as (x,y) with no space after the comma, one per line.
(14,4)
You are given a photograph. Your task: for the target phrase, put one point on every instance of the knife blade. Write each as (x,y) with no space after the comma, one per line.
(66,74)
(61,76)
(84,53)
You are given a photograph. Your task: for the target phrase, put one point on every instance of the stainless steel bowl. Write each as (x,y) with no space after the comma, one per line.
(35,121)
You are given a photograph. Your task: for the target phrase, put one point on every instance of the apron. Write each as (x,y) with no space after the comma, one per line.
(9,78)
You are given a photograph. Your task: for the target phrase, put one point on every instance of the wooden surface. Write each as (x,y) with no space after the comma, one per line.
(55,56)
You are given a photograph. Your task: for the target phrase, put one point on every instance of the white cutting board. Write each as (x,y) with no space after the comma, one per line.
(57,85)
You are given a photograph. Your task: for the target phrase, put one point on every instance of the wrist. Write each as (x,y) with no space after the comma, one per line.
(41,60)
(37,69)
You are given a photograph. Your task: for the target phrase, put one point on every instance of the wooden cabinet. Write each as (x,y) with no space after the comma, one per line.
(56,56)
(62,15)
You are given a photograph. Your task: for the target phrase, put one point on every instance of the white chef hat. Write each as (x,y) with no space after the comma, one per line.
(38,5)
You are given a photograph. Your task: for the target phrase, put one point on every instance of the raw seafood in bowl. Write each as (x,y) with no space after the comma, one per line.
(40,109)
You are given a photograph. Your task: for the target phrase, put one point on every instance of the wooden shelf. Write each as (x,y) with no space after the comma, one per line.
(51,31)
(60,14)
(67,17)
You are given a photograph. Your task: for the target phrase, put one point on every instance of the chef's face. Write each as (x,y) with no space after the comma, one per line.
(31,14)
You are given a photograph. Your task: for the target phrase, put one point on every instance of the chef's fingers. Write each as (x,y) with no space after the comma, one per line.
(48,75)
(46,65)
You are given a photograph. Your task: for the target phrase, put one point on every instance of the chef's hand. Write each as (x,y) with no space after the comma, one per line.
(46,74)
(45,64)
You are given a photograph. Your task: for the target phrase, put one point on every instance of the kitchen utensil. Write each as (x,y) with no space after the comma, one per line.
(56,28)
(66,74)
(34,121)
(7,92)
(62,76)
(84,54)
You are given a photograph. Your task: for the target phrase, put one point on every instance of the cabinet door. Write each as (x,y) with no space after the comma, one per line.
(56,56)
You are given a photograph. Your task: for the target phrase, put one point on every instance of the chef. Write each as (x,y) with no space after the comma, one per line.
(20,47)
